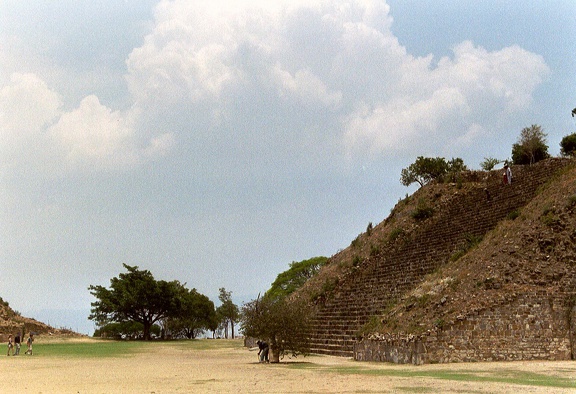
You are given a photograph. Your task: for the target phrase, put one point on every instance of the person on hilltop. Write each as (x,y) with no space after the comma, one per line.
(507,176)
(263,351)
(10,345)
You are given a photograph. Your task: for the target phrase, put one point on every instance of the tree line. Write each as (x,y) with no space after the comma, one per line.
(136,305)
(530,148)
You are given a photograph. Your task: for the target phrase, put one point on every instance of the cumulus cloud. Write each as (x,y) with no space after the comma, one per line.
(332,58)
(446,101)
(306,87)
(35,129)
(256,71)
(27,106)
(94,134)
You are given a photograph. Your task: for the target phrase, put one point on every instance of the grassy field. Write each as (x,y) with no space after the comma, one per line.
(204,366)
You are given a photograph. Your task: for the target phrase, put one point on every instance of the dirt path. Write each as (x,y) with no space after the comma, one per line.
(170,369)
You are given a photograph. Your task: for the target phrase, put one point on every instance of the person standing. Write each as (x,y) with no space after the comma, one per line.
(10,345)
(29,344)
(508,174)
(17,344)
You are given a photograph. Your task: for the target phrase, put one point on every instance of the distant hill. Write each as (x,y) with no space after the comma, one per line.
(12,322)
(459,271)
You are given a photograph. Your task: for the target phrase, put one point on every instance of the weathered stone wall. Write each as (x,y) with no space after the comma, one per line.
(533,327)
(399,267)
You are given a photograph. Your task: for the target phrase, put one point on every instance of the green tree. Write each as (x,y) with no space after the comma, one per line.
(531,146)
(127,329)
(284,323)
(568,145)
(489,163)
(228,312)
(196,315)
(135,296)
(426,169)
(292,279)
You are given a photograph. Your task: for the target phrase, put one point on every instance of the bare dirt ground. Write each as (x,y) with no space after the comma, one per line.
(171,369)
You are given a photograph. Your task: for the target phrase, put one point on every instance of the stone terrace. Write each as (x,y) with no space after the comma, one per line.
(399,267)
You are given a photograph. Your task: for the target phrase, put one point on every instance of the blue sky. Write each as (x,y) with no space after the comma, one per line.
(215,142)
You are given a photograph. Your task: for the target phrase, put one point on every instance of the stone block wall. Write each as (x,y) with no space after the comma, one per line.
(533,327)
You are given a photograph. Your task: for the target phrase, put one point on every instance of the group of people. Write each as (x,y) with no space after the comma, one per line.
(14,345)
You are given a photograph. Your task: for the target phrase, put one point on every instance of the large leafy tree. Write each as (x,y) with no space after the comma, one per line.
(531,146)
(292,279)
(284,322)
(136,296)
(228,312)
(197,314)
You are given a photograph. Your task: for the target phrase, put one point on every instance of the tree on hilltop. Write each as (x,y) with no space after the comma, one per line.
(568,145)
(531,146)
(426,169)
(489,163)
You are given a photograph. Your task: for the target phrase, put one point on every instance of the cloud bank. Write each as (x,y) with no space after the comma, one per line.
(329,73)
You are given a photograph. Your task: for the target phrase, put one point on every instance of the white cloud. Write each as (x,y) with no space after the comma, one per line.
(403,124)
(95,135)
(26,106)
(306,87)
(331,57)
(36,133)
(207,70)
(473,89)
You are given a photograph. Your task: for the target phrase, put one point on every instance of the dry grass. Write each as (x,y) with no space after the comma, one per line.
(224,366)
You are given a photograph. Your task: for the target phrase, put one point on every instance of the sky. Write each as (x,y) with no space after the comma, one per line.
(215,142)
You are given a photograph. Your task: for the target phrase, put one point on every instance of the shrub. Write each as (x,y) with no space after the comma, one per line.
(394,234)
(513,215)
(489,163)
(568,145)
(422,212)
(369,229)
(471,242)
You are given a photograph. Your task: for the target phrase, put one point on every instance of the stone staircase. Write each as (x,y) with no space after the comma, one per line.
(399,267)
